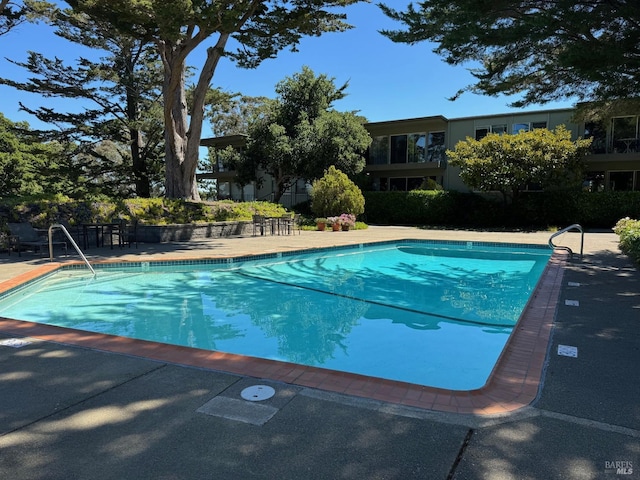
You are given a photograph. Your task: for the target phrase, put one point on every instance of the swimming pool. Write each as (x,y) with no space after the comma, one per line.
(429,313)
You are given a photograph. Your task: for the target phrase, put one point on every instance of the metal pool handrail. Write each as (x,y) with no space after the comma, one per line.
(73,242)
(575,226)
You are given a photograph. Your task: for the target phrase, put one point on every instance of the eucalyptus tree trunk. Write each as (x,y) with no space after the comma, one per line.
(183,129)
(178,182)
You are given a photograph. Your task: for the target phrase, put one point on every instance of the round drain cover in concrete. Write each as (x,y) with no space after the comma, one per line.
(257,393)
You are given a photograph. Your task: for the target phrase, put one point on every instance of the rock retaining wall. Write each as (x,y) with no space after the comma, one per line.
(186,232)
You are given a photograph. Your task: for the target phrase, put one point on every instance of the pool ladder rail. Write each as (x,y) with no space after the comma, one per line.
(73,242)
(575,226)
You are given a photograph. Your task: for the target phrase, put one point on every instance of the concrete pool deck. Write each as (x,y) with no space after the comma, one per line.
(583,411)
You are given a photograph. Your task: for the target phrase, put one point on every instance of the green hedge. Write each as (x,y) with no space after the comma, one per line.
(429,207)
(596,210)
(420,207)
(533,210)
(407,208)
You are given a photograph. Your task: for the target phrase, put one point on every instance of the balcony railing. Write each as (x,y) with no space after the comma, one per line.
(616,145)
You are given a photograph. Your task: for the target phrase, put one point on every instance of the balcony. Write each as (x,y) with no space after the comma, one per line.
(620,135)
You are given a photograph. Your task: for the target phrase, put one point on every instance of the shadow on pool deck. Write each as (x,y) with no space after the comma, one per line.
(71,412)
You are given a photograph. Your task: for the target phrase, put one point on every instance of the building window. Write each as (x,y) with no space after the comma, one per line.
(249,193)
(594,182)
(405,184)
(223,159)
(621,181)
(414,183)
(482,132)
(598,132)
(379,151)
(224,190)
(625,134)
(301,187)
(401,184)
(398,184)
(416,148)
(436,147)
(408,148)
(527,127)
(398,149)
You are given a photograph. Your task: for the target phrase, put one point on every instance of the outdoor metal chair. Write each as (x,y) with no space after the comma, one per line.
(285,224)
(259,223)
(295,224)
(126,233)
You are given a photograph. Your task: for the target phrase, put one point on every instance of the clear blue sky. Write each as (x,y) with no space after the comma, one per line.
(387,81)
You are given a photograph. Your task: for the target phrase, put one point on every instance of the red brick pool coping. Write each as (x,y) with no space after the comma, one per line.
(513,384)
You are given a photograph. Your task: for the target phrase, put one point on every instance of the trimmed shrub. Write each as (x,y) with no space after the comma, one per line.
(629,232)
(334,194)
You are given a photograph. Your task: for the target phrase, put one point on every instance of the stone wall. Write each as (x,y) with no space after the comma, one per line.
(186,232)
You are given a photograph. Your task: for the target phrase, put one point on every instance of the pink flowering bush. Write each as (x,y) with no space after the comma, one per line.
(347,219)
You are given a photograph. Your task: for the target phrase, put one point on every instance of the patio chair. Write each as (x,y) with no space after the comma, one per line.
(5,243)
(295,225)
(285,224)
(24,235)
(259,223)
(78,234)
(126,233)
(130,233)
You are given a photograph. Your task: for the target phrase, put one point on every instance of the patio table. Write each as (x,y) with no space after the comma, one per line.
(100,229)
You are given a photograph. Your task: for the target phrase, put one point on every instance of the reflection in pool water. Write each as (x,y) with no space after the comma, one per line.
(425,313)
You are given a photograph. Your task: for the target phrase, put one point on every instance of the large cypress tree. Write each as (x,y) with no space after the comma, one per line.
(545,50)
(119,132)
(31,167)
(259,30)
(15,12)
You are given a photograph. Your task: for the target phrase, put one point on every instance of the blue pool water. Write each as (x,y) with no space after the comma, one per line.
(436,314)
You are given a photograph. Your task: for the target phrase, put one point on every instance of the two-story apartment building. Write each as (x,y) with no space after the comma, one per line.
(404,153)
